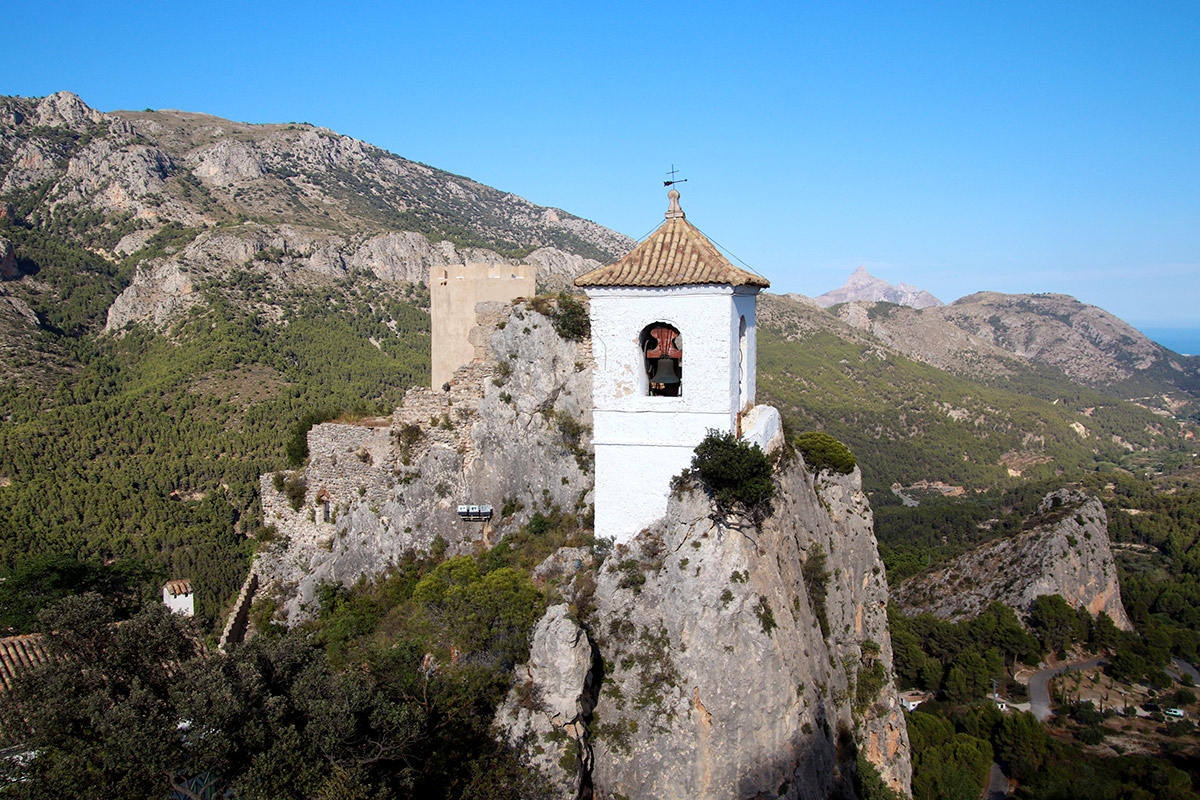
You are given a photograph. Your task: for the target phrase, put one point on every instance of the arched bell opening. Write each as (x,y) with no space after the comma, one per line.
(662,351)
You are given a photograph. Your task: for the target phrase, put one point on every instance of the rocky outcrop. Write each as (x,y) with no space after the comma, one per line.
(511,431)
(65,110)
(322,204)
(863,286)
(725,671)
(8,260)
(552,702)
(114,173)
(1066,552)
(158,295)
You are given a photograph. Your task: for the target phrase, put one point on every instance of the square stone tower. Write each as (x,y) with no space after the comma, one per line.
(673,338)
(454,291)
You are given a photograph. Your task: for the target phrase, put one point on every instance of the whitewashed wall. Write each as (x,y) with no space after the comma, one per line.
(642,441)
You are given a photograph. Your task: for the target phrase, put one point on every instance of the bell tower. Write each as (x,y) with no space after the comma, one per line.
(673,337)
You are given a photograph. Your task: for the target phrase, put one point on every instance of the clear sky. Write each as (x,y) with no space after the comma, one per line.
(1005,146)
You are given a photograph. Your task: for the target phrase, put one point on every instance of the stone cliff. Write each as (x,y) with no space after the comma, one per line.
(1065,552)
(729,660)
(710,657)
(511,431)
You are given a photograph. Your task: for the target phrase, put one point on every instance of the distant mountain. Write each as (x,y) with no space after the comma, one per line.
(862,285)
(918,398)
(179,199)
(1014,338)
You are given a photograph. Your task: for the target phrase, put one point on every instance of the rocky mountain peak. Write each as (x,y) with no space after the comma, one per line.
(65,110)
(863,286)
(1065,552)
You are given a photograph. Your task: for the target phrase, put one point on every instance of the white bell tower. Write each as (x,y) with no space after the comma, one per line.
(673,338)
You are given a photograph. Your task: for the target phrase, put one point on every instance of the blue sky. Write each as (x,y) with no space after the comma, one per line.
(960,147)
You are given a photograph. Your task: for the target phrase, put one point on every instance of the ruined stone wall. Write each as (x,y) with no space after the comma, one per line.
(347,464)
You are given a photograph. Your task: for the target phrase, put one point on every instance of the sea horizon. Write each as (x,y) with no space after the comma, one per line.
(1185,341)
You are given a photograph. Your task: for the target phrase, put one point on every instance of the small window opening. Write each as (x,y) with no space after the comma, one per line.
(743,366)
(662,348)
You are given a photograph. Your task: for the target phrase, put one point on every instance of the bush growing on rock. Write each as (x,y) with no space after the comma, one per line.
(823,452)
(570,318)
(733,470)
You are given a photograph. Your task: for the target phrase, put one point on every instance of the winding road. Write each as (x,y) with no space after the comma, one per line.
(1039,694)
(997,786)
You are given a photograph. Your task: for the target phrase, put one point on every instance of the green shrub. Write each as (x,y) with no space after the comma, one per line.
(631,575)
(295,487)
(570,318)
(766,617)
(823,452)
(816,584)
(733,470)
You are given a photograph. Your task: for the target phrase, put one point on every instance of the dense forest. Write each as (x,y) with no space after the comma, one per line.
(390,693)
(148,448)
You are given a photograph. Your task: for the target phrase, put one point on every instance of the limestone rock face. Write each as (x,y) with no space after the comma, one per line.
(65,110)
(32,163)
(552,698)
(8,260)
(719,679)
(157,294)
(512,430)
(227,162)
(297,252)
(1066,554)
(116,173)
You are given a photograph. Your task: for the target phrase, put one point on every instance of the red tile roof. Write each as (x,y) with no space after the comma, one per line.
(676,254)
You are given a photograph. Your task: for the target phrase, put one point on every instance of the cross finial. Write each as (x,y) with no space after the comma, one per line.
(674,211)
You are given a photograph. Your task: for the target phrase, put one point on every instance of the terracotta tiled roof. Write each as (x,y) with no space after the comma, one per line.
(18,654)
(182,586)
(674,255)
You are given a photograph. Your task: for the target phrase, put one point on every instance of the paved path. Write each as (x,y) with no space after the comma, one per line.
(1039,694)
(1184,668)
(997,786)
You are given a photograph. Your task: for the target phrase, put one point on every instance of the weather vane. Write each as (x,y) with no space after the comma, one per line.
(673,181)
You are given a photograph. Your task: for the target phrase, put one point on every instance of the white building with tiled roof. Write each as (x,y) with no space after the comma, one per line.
(177,596)
(673,338)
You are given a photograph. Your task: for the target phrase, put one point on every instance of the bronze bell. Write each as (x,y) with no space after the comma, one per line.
(664,372)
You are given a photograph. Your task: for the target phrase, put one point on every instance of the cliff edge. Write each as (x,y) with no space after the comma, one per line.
(728,659)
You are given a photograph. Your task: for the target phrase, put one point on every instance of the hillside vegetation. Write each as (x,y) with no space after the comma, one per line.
(149,447)
(191,294)
(188,295)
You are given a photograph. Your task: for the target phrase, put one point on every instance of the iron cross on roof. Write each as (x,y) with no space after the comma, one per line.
(673,181)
